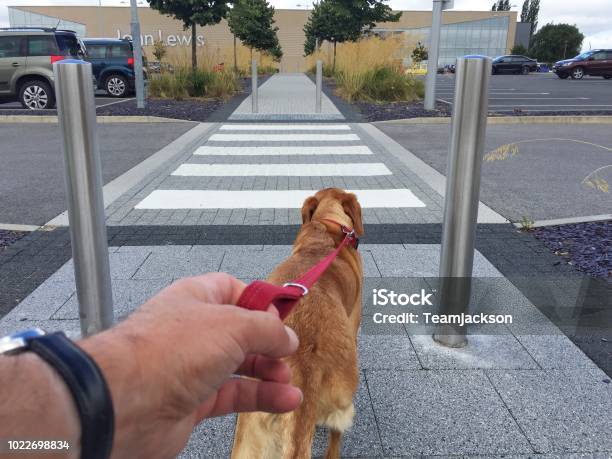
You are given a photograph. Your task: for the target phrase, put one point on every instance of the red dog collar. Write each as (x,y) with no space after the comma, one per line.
(258,295)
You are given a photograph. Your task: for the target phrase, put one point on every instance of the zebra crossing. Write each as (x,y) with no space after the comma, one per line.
(262,173)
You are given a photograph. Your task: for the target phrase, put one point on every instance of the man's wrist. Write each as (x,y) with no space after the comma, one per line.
(48,409)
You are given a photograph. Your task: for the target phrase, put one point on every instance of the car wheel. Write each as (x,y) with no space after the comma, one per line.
(525,70)
(116,86)
(36,95)
(577,73)
(562,76)
(493,71)
(607,77)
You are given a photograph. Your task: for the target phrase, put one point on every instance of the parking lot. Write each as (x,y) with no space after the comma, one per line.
(538,92)
(101,100)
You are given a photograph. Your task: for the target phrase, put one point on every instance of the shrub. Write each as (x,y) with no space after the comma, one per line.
(185,82)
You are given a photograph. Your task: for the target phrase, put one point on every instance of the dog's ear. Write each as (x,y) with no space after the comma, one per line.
(308,208)
(353,209)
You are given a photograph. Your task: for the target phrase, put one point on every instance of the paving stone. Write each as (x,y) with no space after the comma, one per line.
(482,351)
(42,303)
(123,265)
(171,265)
(211,439)
(560,411)
(384,352)
(442,412)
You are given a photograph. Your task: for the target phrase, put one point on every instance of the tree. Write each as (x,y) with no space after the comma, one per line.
(338,21)
(419,53)
(252,21)
(519,49)
(159,50)
(529,13)
(501,5)
(192,13)
(554,41)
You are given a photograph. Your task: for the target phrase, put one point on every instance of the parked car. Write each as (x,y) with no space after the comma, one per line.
(514,64)
(112,63)
(27,55)
(597,62)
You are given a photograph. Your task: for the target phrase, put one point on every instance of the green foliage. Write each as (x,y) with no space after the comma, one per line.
(380,84)
(192,13)
(530,13)
(338,21)
(419,53)
(252,21)
(526,223)
(159,49)
(519,49)
(186,82)
(553,41)
(501,5)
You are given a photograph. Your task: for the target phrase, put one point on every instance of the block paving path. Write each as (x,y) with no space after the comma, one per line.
(525,391)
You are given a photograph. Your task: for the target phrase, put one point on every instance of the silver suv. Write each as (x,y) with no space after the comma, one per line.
(26,63)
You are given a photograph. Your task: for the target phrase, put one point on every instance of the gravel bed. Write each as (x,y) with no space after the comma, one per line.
(189,109)
(400,110)
(586,246)
(8,237)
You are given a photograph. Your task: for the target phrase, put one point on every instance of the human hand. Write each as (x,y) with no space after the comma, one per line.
(169,365)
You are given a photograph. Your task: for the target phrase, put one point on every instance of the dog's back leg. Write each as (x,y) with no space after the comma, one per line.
(333,445)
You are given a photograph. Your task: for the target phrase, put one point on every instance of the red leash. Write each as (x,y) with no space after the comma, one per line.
(258,295)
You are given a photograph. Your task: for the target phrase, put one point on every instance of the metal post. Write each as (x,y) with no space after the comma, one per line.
(137,43)
(462,190)
(319,81)
(254,96)
(432,59)
(77,121)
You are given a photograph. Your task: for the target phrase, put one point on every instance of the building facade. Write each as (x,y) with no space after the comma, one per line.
(489,33)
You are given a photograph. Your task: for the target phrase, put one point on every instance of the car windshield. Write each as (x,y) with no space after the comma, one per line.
(497,59)
(584,55)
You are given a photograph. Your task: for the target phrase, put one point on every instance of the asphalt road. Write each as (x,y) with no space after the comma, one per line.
(538,92)
(31,175)
(543,180)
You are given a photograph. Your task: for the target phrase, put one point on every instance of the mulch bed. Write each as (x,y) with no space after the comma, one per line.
(9,237)
(586,246)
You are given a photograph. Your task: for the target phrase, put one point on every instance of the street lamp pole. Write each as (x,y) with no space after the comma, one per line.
(137,42)
(433,52)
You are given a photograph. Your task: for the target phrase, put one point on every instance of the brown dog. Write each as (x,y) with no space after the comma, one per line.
(326,320)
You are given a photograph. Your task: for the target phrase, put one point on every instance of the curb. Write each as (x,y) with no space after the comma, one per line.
(568,221)
(510,120)
(99,119)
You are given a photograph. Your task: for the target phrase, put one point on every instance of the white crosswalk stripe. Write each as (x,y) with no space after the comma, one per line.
(285,127)
(267,199)
(285,150)
(283,137)
(290,170)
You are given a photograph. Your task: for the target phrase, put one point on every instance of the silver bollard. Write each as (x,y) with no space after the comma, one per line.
(77,121)
(254,96)
(468,129)
(319,81)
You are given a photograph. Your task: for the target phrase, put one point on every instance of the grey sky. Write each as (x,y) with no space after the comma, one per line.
(593,17)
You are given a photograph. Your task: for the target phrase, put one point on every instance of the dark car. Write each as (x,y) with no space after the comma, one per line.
(112,63)
(27,55)
(514,64)
(597,62)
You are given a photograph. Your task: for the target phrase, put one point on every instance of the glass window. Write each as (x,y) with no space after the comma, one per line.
(68,44)
(600,56)
(12,46)
(121,51)
(42,45)
(96,51)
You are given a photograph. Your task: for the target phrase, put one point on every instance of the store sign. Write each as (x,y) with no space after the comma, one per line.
(171,40)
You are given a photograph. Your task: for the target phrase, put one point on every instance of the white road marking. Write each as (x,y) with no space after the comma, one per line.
(268,199)
(285,127)
(283,137)
(539,98)
(278,151)
(291,170)
(551,105)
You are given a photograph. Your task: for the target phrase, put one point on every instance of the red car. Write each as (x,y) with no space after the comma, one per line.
(597,62)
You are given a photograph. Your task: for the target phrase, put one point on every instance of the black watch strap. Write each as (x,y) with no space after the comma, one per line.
(88,387)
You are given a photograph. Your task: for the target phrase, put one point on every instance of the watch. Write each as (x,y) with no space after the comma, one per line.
(84,380)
